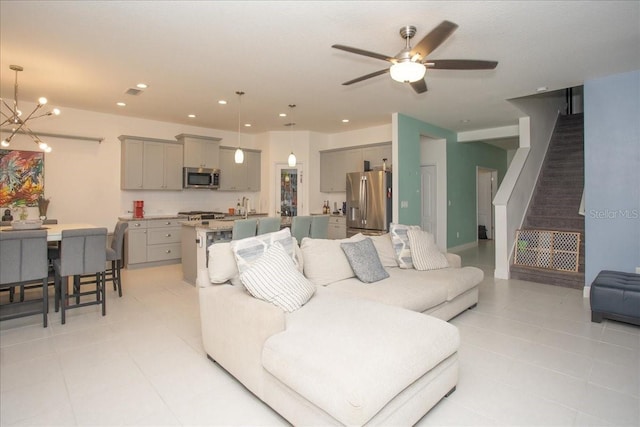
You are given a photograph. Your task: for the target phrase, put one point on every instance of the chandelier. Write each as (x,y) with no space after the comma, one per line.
(15,123)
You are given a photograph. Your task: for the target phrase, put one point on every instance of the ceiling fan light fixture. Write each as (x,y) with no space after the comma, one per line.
(407,72)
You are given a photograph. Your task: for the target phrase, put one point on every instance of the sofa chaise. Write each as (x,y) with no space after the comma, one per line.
(355,353)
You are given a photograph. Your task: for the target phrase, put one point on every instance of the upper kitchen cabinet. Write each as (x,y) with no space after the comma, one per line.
(200,151)
(335,164)
(150,164)
(239,177)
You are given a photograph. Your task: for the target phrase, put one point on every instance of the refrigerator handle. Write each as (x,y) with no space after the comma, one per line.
(365,201)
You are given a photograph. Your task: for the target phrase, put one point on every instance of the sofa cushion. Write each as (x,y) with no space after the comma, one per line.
(425,254)
(401,244)
(324,260)
(384,247)
(364,261)
(406,288)
(250,249)
(352,372)
(274,278)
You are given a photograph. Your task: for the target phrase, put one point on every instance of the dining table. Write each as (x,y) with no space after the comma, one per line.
(54,231)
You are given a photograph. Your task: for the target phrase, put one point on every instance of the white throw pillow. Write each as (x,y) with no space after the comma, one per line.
(248,250)
(324,260)
(385,250)
(222,265)
(401,244)
(274,278)
(424,251)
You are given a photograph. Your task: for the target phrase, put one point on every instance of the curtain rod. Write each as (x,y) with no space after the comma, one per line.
(62,136)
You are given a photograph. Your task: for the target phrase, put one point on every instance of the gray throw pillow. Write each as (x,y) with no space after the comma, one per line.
(364,260)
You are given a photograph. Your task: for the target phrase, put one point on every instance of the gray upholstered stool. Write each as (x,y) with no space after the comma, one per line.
(616,295)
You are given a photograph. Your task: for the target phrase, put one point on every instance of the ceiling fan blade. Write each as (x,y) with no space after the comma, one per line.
(460,64)
(434,39)
(368,76)
(419,86)
(363,52)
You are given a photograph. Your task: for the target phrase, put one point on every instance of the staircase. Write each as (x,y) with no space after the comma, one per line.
(557,199)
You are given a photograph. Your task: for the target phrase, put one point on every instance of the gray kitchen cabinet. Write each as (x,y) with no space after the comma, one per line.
(200,151)
(337,227)
(131,158)
(239,177)
(335,164)
(135,243)
(150,164)
(153,242)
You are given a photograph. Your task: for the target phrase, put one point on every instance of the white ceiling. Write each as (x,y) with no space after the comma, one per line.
(85,55)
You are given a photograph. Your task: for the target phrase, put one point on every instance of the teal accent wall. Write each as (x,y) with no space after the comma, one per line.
(408,164)
(462,160)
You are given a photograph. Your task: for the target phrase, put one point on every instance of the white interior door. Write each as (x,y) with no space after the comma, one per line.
(429,199)
(288,197)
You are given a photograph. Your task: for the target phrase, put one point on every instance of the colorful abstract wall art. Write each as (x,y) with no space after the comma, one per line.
(21,177)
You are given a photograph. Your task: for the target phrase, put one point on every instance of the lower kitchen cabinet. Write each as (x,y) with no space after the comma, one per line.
(153,242)
(337,227)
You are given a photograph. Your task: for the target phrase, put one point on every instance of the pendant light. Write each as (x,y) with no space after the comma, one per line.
(239,155)
(291,160)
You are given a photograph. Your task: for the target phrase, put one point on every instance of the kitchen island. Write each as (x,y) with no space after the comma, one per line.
(196,238)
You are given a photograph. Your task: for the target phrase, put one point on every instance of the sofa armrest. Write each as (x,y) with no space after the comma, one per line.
(234,328)
(454,260)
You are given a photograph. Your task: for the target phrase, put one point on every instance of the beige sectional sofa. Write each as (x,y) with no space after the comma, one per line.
(356,353)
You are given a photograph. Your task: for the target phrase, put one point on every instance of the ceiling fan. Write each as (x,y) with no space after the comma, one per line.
(410,64)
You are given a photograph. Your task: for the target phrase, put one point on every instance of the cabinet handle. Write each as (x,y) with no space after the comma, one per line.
(168,235)
(167,223)
(168,251)
(137,224)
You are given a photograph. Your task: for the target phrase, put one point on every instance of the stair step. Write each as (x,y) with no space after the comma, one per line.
(557,210)
(554,223)
(549,277)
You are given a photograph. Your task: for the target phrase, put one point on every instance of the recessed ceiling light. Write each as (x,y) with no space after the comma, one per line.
(283,114)
(465,121)
(542,89)
(142,86)
(192,116)
(222,102)
(247,125)
(121,104)
(345,120)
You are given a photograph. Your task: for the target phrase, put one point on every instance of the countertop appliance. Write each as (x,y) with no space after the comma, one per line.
(368,202)
(201,178)
(201,215)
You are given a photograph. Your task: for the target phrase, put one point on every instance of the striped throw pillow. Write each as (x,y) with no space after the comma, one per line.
(274,278)
(424,251)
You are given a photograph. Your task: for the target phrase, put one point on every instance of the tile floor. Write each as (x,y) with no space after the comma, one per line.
(529,356)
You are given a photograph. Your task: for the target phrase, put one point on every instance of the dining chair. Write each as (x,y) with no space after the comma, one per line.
(244,228)
(301,227)
(82,252)
(23,260)
(114,254)
(319,227)
(268,224)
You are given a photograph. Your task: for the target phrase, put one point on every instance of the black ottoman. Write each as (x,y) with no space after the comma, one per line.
(616,295)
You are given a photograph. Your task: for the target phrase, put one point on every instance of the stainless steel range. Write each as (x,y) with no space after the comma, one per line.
(202,215)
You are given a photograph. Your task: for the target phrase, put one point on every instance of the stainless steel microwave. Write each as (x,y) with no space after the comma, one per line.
(201,178)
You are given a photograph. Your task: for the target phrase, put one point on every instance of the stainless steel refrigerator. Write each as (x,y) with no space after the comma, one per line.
(368,202)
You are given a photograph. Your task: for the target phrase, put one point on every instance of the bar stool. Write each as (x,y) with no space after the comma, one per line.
(319,227)
(301,227)
(268,225)
(23,260)
(244,228)
(82,252)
